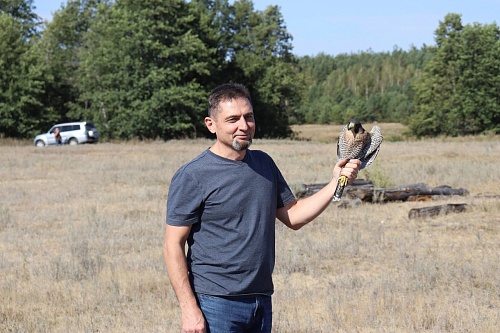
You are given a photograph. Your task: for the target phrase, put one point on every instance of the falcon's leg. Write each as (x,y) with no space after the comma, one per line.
(341,184)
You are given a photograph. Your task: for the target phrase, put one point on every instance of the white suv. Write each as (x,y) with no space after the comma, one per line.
(71,133)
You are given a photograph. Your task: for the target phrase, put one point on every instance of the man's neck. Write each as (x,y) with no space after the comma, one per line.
(227,152)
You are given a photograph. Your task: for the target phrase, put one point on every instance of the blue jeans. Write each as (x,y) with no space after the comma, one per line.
(249,314)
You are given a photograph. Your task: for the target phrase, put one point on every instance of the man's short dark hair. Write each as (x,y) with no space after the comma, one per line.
(224,93)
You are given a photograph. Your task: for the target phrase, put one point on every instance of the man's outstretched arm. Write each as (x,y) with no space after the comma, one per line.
(298,213)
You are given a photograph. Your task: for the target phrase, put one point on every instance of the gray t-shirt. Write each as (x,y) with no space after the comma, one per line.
(231,206)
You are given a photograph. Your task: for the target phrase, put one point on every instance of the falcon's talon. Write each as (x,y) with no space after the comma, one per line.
(343,180)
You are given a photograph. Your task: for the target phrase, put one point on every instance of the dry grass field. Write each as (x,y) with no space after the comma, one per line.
(81,232)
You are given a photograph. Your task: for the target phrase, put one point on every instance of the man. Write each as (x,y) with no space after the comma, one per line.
(224,204)
(57,136)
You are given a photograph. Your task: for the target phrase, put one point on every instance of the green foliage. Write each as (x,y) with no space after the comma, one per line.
(378,176)
(62,44)
(261,50)
(144,69)
(449,89)
(22,12)
(457,93)
(21,77)
(369,86)
(139,70)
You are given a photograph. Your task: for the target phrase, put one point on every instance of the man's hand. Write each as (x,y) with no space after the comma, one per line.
(193,321)
(348,168)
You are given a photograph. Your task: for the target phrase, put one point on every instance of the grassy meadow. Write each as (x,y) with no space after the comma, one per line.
(81,233)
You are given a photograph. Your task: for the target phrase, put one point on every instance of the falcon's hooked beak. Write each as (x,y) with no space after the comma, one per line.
(355,126)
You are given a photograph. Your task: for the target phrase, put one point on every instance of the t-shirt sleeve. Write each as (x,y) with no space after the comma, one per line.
(185,197)
(285,194)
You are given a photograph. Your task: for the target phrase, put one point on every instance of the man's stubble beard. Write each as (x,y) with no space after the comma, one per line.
(240,146)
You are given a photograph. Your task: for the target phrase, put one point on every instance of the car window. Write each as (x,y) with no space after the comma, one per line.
(89,127)
(66,128)
(75,127)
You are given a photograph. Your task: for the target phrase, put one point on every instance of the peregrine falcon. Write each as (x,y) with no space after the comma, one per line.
(356,143)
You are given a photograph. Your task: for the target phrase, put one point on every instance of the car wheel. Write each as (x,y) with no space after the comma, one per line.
(73,142)
(40,143)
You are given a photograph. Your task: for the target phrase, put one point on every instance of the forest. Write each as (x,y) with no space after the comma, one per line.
(144,69)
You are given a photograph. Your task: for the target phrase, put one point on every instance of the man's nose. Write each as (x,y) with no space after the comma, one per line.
(243,124)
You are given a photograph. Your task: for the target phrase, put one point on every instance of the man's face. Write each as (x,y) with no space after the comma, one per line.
(234,124)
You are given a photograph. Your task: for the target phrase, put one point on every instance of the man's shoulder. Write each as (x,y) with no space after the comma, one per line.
(198,160)
(259,154)
(259,157)
(195,164)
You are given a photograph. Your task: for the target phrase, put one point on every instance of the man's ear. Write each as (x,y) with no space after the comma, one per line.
(210,123)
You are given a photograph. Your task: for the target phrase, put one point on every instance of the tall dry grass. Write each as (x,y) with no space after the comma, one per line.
(81,231)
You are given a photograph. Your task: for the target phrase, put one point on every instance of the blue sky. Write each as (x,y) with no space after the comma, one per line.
(340,26)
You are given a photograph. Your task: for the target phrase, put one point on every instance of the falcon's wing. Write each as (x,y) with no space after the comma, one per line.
(342,151)
(372,147)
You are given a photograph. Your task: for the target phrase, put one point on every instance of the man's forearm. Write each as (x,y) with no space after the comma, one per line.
(175,260)
(301,212)
(307,209)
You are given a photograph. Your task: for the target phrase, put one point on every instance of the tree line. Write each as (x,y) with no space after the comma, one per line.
(144,69)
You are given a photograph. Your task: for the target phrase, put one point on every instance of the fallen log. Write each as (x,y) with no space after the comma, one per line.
(436,210)
(365,191)
(414,191)
(310,189)
(420,198)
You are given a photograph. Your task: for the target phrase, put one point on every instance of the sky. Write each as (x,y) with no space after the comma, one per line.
(339,26)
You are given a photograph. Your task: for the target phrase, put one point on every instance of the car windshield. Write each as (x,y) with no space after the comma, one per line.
(90,126)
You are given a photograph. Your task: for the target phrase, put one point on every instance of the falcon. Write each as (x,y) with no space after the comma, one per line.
(356,143)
